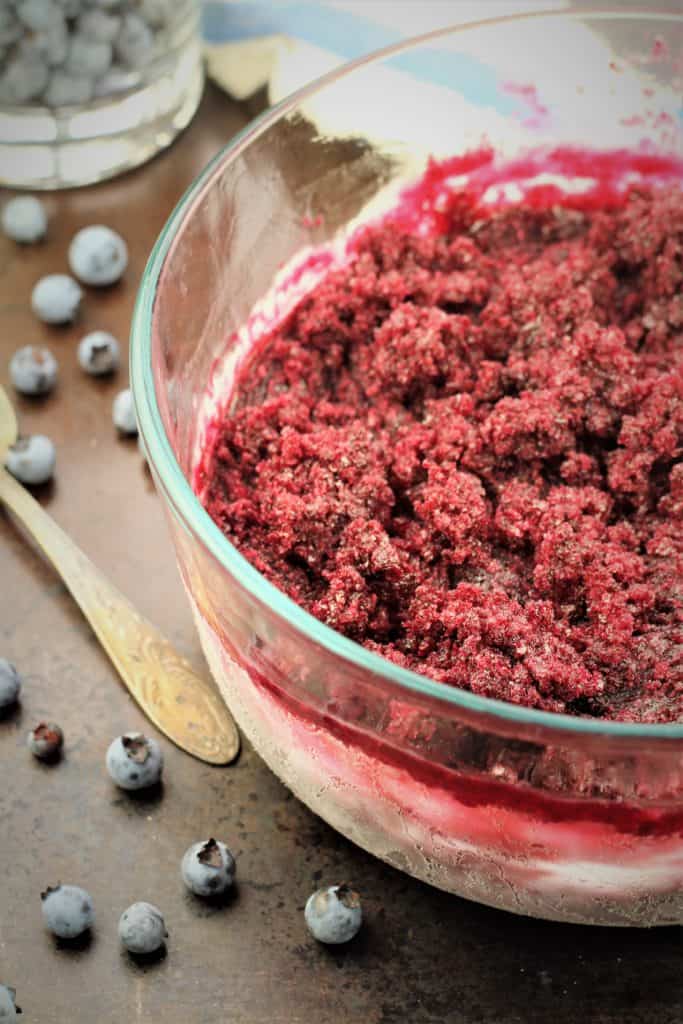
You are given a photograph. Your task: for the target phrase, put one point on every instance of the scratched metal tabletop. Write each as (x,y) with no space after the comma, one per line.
(421,957)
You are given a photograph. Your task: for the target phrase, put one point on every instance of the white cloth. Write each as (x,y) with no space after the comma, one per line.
(284,45)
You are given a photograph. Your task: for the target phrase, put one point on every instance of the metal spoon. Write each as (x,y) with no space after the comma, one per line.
(181,703)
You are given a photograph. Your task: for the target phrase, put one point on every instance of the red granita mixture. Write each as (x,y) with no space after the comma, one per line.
(463,448)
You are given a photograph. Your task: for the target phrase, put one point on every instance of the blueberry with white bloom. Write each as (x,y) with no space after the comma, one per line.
(39,15)
(10,684)
(10,26)
(25,77)
(31,460)
(98,255)
(67,911)
(70,8)
(98,353)
(123,412)
(156,13)
(24,219)
(142,929)
(87,58)
(117,79)
(45,741)
(33,370)
(334,915)
(135,761)
(208,868)
(8,1005)
(99,26)
(52,44)
(65,90)
(135,42)
(56,299)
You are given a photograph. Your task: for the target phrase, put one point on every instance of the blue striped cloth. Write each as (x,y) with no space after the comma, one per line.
(350,30)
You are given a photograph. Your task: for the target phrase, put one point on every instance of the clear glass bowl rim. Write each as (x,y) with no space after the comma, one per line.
(189,509)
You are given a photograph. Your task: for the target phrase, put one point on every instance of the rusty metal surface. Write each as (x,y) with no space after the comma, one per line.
(422,956)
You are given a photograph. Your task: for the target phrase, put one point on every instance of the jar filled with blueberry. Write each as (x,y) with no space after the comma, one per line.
(91,88)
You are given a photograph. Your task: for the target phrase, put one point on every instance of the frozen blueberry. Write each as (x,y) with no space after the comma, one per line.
(98,255)
(67,910)
(123,412)
(135,761)
(98,353)
(31,460)
(10,684)
(156,13)
(56,299)
(70,8)
(45,741)
(117,79)
(8,1006)
(142,929)
(99,26)
(33,370)
(50,45)
(65,90)
(10,26)
(334,915)
(208,868)
(135,41)
(39,15)
(25,77)
(24,219)
(87,58)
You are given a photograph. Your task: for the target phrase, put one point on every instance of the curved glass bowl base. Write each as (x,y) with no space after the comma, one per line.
(494,852)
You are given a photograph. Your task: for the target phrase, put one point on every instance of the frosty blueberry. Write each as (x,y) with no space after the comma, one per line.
(142,929)
(33,370)
(66,90)
(135,761)
(334,915)
(98,353)
(135,42)
(123,412)
(70,8)
(87,58)
(67,911)
(98,255)
(10,684)
(45,741)
(208,868)
(8,1006)
(10,26)
(24,219)
(24,79)
(31,460)
(117,79)
(156,12)
(38,15)
(99,26)
(56,299)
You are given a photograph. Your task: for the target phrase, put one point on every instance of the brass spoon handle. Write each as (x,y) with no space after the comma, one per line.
(183,705)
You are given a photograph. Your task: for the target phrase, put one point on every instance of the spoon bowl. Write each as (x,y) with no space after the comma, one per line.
(182,704)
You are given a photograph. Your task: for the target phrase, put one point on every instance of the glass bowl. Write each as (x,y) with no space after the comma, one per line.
(90,92)
(565,818)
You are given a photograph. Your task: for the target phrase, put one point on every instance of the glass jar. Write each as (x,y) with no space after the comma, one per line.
(88,90)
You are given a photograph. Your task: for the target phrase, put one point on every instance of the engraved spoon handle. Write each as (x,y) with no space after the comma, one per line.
(182,704)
